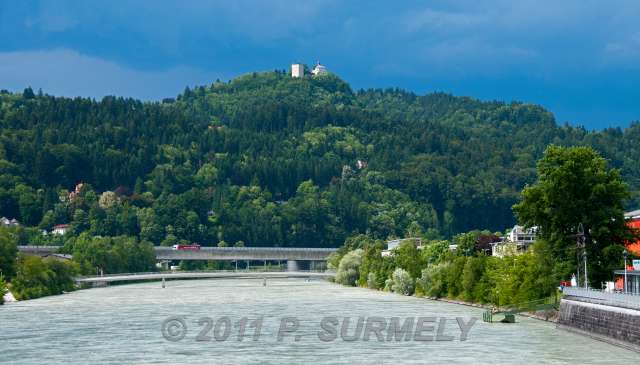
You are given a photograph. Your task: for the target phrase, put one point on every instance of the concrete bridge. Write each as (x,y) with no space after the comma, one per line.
(39,250)
(296,257)
(105,279)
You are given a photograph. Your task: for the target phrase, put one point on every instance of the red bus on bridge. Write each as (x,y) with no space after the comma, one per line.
(191,247)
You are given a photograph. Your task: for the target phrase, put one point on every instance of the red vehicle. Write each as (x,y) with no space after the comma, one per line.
(191,247)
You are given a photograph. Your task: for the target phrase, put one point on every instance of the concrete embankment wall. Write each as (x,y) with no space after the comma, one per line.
(619,326)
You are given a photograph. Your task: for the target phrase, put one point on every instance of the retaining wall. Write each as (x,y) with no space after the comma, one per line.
(619,326)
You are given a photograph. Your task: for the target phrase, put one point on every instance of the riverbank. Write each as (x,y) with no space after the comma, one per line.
(548,316)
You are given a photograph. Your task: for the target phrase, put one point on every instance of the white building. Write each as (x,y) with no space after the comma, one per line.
(60,229)
(393,244)
(520,234)
(8,222)
(319,70)
(517,241)
(297,70)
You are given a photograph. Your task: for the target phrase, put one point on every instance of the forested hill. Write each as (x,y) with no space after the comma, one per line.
(267,159)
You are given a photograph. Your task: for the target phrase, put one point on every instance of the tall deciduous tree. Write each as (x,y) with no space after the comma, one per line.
(8,252)
(576,186)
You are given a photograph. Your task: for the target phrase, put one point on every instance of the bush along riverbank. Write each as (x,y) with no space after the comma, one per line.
(577,195)
(3,290)
(463,276)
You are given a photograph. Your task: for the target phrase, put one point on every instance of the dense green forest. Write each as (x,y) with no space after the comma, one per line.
(269,160)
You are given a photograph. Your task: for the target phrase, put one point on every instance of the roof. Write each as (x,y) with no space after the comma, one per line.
(61,226)
(521,230)
(59,256)
(632,214)
(629,272)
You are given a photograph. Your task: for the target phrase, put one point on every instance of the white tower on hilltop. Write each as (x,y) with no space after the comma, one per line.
(319,70)
(297,70)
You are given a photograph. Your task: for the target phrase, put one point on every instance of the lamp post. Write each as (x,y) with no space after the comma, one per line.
(624,254)
(580,245)
(586,277)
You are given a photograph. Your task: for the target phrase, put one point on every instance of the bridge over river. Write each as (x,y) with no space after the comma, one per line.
(296,257)
(203,275)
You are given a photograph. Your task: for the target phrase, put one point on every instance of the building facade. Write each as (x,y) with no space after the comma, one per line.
(319,70)
(393,244)
(632,277)
(297,70)
(633,266)
(60,229)
(6,222)
(516,242)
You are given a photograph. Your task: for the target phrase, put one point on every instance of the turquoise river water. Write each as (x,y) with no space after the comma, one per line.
(123,324)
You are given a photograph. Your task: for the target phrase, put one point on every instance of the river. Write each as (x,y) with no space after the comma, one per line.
(123,324)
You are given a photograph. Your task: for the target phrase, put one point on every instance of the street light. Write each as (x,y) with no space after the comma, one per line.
(625,253)
(586,277)
(580,244)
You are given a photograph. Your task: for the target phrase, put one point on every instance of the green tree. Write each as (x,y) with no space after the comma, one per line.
(8,253)
(206,176)
(401,282)
(150,230)
(80,221)
(3,289)
(471,279)
(37,277)
(576,186)
(348,269)
(407,257)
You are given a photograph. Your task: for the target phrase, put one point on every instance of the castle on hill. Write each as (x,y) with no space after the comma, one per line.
(297,70)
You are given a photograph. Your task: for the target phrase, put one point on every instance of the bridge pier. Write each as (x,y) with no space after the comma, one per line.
(292,265)
(297,265)
(164,264)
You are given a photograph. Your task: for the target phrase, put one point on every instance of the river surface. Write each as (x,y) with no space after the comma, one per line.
(123,324)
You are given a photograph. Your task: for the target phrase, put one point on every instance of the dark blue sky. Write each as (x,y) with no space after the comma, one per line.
(580,59)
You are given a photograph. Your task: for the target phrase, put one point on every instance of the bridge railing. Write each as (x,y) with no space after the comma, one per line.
(616,299)
(178,272)
(36,248)
(209,248)
(270,248)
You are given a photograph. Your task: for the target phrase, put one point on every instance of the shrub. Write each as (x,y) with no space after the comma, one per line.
(3,289)
(471,277)
(348,269)
(433,280)
(372,283)
(401,282)
(37,277)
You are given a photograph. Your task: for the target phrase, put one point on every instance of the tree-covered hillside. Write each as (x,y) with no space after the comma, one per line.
(267,159)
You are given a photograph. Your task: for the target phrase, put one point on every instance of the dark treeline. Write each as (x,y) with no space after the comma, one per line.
(267,159)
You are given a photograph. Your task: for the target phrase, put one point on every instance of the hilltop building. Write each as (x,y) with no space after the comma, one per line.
(319,70)
(297,70)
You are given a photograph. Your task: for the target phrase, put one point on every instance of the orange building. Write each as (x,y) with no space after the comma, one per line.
(633,221)
(633,273)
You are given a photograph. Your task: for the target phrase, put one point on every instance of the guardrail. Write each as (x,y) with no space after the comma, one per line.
(208,248)
(179,272)
(37,248)
(615,299)
(252,248)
